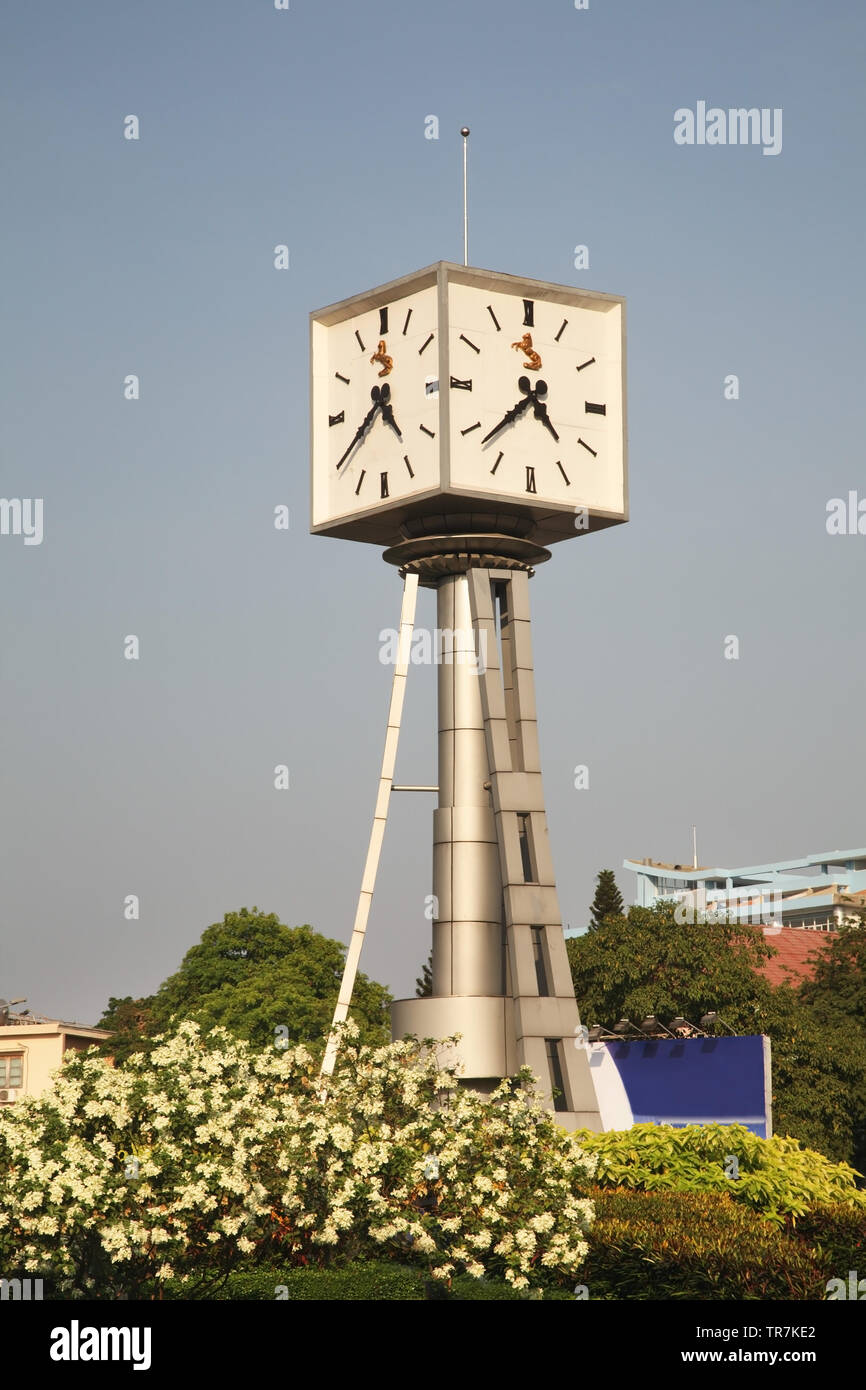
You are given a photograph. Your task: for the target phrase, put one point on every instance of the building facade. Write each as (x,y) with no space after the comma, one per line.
(816,893)
(31,1049)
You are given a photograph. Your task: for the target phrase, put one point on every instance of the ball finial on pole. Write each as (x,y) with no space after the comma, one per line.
(464,131)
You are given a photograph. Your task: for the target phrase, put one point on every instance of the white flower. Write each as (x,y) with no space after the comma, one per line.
(342,1137)
(543,1222)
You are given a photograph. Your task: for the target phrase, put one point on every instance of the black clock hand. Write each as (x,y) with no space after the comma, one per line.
(508,417)
(515,411)
(388,410)
(365,424)
(540,413)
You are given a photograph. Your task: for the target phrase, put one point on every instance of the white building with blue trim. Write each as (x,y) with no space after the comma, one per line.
(812,894)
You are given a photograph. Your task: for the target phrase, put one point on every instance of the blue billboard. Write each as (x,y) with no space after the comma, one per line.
(697,1081)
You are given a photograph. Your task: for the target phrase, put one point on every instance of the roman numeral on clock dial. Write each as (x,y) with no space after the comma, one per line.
(383,484)
(459,385)
(337,419)
(530,479)
(593,409)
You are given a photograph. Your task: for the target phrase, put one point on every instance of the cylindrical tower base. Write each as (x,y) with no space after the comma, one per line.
(468,945)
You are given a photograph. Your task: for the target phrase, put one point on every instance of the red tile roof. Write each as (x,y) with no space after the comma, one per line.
(797,954)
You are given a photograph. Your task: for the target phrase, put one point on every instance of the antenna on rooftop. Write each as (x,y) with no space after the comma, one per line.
(5,1007)
(694,846)
(464,131)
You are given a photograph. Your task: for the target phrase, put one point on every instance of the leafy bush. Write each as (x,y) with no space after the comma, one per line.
(689,1245)
(777,1177)
(838,1232)
(192,1159)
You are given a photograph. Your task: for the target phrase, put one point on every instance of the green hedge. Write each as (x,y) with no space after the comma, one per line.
(686,1245)
(369,1283)
(366,1282)
(839,1236)
(777,1177)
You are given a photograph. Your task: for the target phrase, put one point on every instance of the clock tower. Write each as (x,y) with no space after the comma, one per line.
(465,420)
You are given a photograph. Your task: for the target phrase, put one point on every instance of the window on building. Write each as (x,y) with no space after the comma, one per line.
(554,1066)
(538,957)
(11,1069)
(524,833)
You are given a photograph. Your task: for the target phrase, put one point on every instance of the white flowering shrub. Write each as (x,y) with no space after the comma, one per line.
(207,1154)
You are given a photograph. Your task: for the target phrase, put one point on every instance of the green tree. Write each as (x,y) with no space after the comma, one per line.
(253,975)
(607,901)
(424,982)
(819,1076)
(836,995)
(651,964)
(130,1023)
(837,989)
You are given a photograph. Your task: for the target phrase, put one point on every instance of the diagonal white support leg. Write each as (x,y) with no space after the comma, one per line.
(380,816)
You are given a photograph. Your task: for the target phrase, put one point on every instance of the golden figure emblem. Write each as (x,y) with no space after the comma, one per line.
(380,355)
(525,345)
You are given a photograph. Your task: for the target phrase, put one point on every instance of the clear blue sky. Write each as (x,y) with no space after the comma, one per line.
(258,647)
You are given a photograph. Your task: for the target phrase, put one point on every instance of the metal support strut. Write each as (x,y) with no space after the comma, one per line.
(380,817)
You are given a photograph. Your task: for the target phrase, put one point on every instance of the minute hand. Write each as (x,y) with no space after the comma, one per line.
(361,431)
(509,416)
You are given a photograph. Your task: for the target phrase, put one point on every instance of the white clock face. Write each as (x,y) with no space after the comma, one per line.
(377,392)
(535,399)
(456,384)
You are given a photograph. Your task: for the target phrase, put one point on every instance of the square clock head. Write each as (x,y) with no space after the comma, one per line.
(465,391)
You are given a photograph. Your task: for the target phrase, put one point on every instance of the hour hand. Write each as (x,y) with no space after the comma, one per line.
(539,407)
(388,409)
(540,413)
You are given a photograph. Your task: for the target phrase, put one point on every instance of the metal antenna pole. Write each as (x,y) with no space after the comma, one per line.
(380,816)
(464,131)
